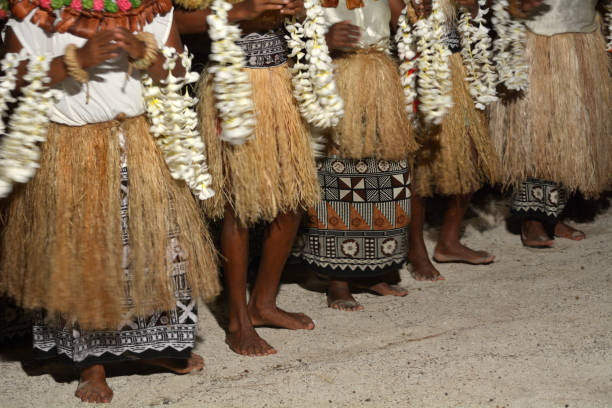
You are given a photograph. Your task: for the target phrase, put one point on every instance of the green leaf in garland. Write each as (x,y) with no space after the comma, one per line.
(67,2)
(57,4)
(135,3)
(110,6)
(87,4)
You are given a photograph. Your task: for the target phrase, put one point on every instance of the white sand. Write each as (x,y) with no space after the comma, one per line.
(532,330)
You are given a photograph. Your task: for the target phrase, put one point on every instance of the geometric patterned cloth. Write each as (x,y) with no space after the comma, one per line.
(360,227)
(264,50)
(539,200)
(164,334)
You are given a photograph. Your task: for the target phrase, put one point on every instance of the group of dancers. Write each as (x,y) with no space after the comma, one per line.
(115,178)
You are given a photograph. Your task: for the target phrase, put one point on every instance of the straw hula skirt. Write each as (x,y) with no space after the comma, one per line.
(359,229)
(274,172)
(107,253)
(560,129)
(456,157)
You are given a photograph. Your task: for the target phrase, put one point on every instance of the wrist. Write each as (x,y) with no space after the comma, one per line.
(141,51)
(81,59)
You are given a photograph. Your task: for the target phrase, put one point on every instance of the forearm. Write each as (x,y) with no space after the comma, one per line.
(396,9)
(195,22)
(156,70)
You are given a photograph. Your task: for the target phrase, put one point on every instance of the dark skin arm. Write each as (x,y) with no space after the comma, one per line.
(194,22)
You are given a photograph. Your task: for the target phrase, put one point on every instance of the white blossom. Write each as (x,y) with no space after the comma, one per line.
(476,52)
(313,72)
(406,49)
(174,124)
(509,48)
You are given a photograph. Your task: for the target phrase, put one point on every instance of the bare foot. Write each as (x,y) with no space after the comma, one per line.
(563,230)
(339,297)
(382,289)
(178,365)
(534,235)
(247,342)
(272,316)
(459,253)
(421,267)
(92,385)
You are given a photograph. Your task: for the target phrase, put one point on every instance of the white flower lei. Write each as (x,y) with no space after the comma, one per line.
(313,71)
(509,48)
(174,124)
(29,124)
(434,78)
(608,21)
(406,49)
(476,52)
(231,84)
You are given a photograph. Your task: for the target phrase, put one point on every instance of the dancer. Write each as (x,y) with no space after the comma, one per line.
(556,137)
(102,237)
(268,179)
(455,160)
(357,235)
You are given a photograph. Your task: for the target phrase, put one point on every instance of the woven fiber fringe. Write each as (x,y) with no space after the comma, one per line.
(561,128)
(375,122)
(272,173)
(61,245)
(456,157)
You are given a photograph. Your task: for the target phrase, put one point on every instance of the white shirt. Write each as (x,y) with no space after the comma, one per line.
(565,16)
(111,93)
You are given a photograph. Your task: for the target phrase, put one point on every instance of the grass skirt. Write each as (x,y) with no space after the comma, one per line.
(62,247)
(272,173)
(561,128)
(456,157)
(375,123)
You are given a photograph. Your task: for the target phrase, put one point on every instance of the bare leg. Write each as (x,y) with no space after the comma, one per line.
(449,249)
(277,244)
(422,268)
(339,296)
(534,235)
(92,385)
(241,337)
(195,362)
(562,230)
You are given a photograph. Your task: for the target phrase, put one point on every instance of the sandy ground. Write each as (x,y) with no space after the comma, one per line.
(532,330)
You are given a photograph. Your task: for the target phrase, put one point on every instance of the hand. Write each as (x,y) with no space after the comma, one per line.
(134,48)
(342,35)
(251,9)
(522,8)
(99,48)
(294,8)
(423,9)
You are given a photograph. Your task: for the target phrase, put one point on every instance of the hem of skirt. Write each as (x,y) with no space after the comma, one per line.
(109,357)
(354,271)
(542,216)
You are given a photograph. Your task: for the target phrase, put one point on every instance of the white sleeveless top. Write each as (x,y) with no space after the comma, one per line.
(373,19)
(565,16)
(111,93)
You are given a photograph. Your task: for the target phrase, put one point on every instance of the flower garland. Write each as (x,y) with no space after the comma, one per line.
(109,6)
(434,77)
(231,84)
(476,52)
(313,71)
(608,22)
(174,124)
(406,49)
(509,48)
(29,124)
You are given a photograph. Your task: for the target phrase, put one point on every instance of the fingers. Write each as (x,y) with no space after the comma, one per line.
(345,34)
